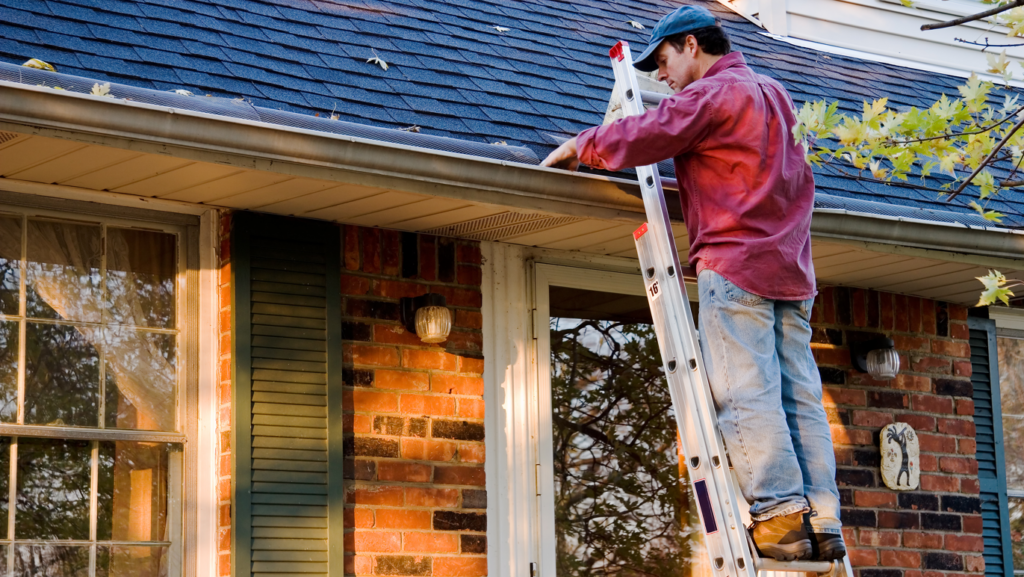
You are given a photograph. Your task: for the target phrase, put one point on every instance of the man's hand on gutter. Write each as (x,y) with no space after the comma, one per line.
(564,156)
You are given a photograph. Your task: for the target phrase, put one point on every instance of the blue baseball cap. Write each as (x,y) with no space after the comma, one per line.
(685,19)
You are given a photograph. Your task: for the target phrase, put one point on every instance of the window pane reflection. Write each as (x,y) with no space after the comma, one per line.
(140,277)
(10,264)
(619,505)
(8,372)
(141,380)
(64,271)
(62,378)
(124,561)
(132,499)
(51,561)
(53,489)
(1017,532)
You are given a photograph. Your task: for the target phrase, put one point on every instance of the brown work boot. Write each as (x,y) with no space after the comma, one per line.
(782,538)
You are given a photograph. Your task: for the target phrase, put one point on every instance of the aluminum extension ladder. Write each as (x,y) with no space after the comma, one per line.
(726,540)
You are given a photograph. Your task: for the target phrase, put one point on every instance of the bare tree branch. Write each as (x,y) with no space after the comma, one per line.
(988,158)
(973,17)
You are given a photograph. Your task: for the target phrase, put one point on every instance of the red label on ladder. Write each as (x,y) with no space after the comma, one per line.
(640,232)
(616,51)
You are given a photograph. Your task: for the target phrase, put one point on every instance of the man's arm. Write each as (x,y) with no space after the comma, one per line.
(675,127)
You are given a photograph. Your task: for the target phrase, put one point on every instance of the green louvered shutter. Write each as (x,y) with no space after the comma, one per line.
(989,436)
(287,397)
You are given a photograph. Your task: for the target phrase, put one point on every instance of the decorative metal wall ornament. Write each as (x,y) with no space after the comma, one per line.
(901,466)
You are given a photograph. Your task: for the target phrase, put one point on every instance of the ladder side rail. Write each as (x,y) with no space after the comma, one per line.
(710,467)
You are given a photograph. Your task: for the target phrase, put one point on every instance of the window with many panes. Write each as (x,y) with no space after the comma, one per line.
(91,405)
(1010,347)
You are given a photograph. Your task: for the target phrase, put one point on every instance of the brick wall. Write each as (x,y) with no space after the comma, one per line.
(224,398)
(934,531)
(413,412)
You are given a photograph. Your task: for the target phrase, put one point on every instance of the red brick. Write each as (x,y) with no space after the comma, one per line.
(831,356)
(972,524)
(941,483)
(873,538)
(875,499)
(469,253)
(468,275)
(915,540)
(395,335)
(471,365)
(928,319)
(845,436)
(860,308)
(351,235)
(396,289)
(358,518)
(471,408)
(407,380)
(388,496)
(459,476)
(897,558)
(919,422)
(959,465)
(907,382)
(887,314)
(433,405)
(362,424)
(911,344)
(967,446)
(828,304)
(469,319)
(460,566)
(902,314)
(936,443)
(964,543)
(470,298)
(427,450)
(950,348)
(431,542)
(403,519)
(472,452)
(373,542)
(959,332)
(838,396)
(371,249)
(370,402)
(354,285)
(431,497)
(371,355)
(405,472)
(931,404)
(428,257)
(959,427)
(392,253)
(931,365)
(863,557)
(913,314)
(466,341)
(358,565)
(965,407)
(457,384)
(425,359)
(859,379)
(871,418)
(929,463)
(224,565)
(974,563)
(970,487)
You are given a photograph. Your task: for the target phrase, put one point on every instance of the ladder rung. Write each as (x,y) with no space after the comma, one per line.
(652,97)
(796,566)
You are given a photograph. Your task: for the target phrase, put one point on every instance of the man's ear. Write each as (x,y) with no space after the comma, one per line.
(692,46)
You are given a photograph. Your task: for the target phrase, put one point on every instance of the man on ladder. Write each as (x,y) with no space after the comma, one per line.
(747,195)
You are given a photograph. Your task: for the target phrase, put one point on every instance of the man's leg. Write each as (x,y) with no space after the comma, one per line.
(808,424)
(738,346)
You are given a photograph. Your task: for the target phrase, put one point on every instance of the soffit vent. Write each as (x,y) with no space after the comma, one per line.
(8,136)
(502,226)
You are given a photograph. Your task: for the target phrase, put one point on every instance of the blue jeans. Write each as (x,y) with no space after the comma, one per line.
(768,394)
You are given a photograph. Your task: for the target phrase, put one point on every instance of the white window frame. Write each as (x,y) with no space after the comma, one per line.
(198,356)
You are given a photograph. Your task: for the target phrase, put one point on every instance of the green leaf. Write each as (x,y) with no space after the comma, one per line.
(995,289)
(986,184)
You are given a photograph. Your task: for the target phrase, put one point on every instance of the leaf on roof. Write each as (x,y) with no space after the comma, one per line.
(907,3)
(182,92)
(412,128)
(636,25)
(101,90)
(996,217)
(500,143)
(501,28)
(39,64)
(378,61)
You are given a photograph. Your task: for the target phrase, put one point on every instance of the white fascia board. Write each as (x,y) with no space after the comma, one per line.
(1007,318)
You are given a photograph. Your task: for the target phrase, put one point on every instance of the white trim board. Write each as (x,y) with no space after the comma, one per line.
(1007,318)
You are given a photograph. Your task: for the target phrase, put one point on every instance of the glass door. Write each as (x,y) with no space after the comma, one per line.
(611,500)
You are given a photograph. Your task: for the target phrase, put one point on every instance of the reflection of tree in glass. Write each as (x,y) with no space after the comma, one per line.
(53,489)
(51,561)
(8,372)
(63,271)
(62,379)
(158,412)
(1011,395)
(1017,533)
(140,277)
(10,263)
(619,506)
(132,497)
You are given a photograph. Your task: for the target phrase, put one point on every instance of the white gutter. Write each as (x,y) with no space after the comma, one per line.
(262,146)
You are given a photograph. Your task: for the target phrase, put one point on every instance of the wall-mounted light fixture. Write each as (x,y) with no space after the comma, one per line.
(876,357)
(427,316)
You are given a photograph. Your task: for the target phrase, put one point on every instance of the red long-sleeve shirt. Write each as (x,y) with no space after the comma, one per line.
(746,191)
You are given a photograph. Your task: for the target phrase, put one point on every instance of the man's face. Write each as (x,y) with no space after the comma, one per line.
(678,68)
